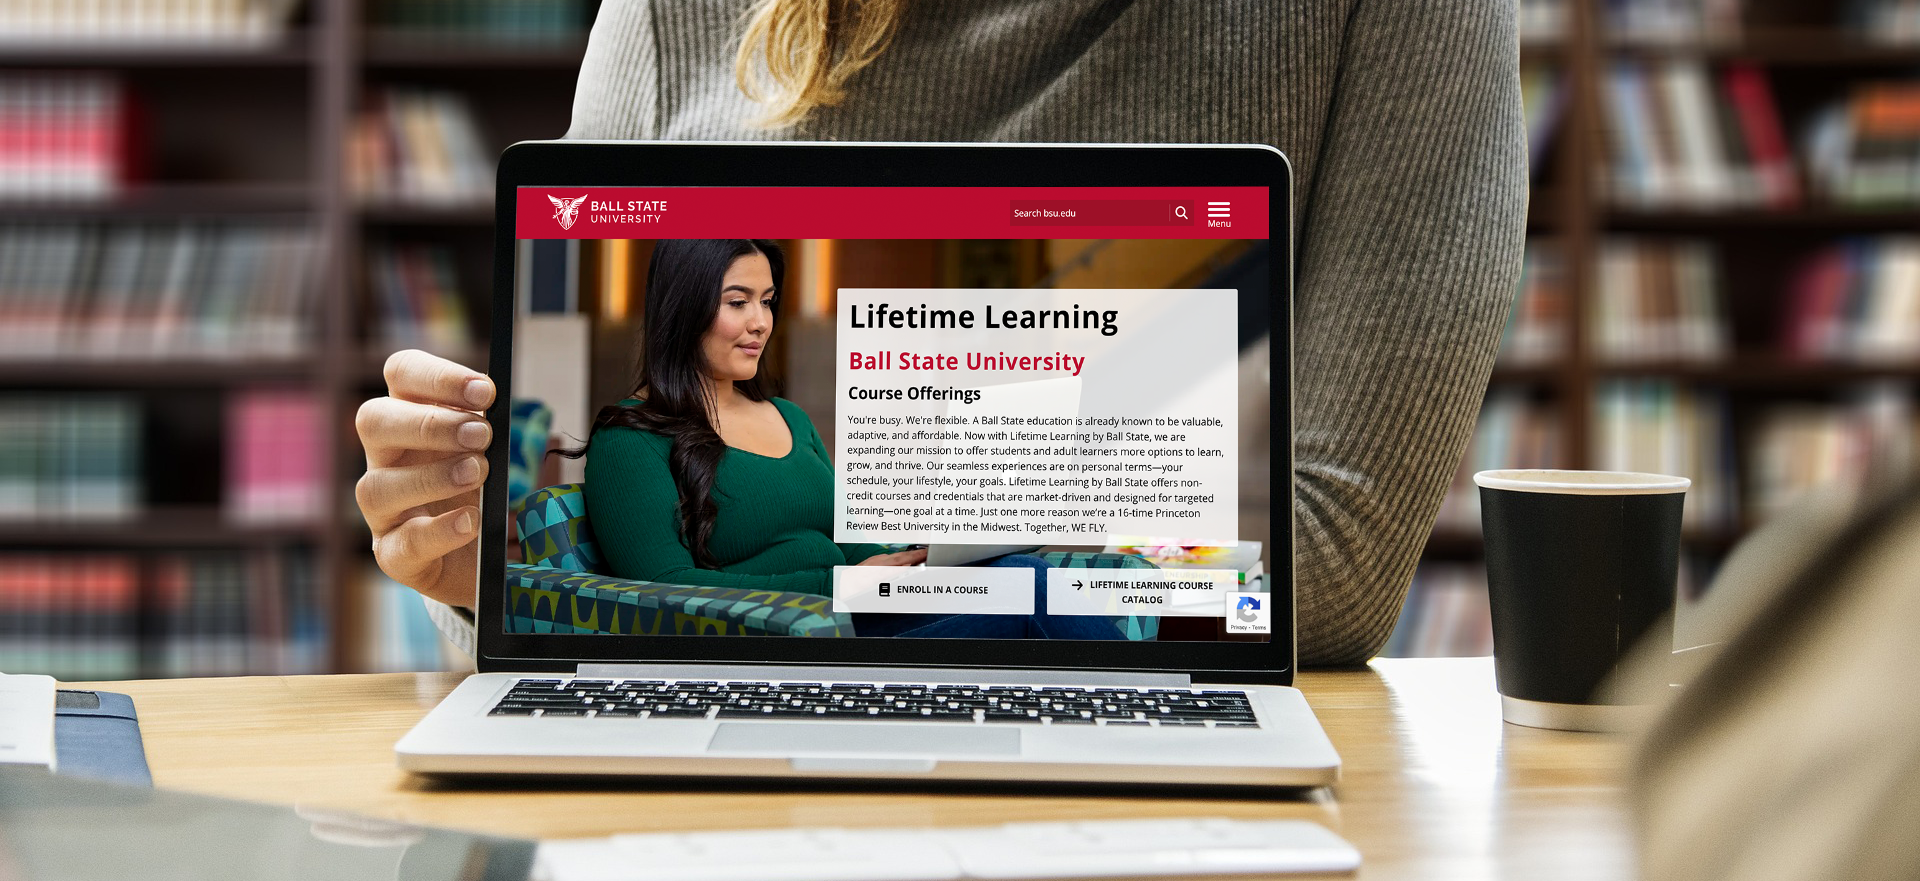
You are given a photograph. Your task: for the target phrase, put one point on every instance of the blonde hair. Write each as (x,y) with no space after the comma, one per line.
(796,55)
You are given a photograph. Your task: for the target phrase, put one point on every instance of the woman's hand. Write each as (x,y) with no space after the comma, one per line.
(426,458)
(913,557)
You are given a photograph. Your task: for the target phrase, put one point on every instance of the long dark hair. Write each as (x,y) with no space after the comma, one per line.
(683,299)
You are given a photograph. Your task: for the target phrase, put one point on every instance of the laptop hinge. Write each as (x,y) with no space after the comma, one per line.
(934,675)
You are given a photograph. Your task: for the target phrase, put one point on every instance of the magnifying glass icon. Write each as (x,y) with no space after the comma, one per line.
(1180,211)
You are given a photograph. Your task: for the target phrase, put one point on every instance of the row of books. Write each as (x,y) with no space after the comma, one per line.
(1885,21)
(1660,427)
(1446,615)
(74,617)
(1790,449)
(71,458)
(63,136)
(1806,448)
(1638,21)
(1864,152)
(1537,325)
(1677,136)
(1653,301)
(1672,21)
(1514,431)
(120,616)
(418,146)
(79,457)
(275,464)
(1542,21)
(1854,301)
(416,297)
(505,20)
(174,291)
(1658,301)
(1857,301)
(1543,100)
(212,23)
(235,613)
(402,637)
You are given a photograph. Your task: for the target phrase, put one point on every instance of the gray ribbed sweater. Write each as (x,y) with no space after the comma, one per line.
(1403,124)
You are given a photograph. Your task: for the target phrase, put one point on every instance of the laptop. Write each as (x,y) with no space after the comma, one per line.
(1079,349)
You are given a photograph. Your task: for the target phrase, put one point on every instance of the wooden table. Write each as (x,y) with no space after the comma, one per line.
(1434,785)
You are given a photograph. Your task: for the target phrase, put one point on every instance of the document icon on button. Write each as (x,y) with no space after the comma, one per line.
(886,589)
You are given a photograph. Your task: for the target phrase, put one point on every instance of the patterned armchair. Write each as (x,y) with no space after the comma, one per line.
(528,422)
(557,589)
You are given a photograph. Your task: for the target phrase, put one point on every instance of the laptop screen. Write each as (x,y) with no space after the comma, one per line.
(893,412)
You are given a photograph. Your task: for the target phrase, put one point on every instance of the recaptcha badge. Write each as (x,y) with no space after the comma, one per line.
(1249,612)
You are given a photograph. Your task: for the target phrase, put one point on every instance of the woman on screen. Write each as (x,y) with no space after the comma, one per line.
(702,477)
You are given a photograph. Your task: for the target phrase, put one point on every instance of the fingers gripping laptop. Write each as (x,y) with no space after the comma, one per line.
(889,461)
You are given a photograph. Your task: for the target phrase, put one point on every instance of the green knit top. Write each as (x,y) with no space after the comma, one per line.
(774,529)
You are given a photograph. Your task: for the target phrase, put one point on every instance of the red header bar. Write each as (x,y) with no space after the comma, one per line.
(892,212)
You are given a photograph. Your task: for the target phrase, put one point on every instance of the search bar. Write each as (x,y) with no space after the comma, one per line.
(1099,212)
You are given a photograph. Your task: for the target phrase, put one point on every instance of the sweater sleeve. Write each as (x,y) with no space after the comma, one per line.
(1408,255)
(632,503)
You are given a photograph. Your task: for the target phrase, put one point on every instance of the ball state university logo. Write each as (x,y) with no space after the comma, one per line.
(566,210)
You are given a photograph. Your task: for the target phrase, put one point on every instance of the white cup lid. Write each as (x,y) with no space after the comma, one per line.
(1586,483)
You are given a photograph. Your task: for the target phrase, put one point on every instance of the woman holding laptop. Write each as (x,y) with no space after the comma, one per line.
(1402,123)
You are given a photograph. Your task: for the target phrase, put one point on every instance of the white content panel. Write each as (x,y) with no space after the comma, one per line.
(1043,416)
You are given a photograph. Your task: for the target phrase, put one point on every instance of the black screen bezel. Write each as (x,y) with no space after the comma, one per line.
(683,164)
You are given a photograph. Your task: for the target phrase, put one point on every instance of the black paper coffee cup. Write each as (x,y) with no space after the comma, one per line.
(1581,566)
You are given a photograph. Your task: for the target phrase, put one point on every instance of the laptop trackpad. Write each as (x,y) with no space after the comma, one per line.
(869,739)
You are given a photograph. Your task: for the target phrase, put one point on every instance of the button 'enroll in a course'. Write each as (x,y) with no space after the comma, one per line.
(1100,212)
(942,590)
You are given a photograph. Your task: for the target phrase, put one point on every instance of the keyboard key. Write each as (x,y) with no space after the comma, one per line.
(674,711)
(744,713)
(1006,716)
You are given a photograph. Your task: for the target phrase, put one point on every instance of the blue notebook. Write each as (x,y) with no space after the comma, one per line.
(97,735)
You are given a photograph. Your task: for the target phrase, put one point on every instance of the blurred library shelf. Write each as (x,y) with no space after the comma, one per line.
(227,214)
(1722,276)
(401,49)
(160,527)
(290,50)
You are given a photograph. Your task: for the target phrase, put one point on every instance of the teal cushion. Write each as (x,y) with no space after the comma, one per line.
(529,424)
(554,533)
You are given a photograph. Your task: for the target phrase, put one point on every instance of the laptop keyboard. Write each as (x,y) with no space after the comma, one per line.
(978,704)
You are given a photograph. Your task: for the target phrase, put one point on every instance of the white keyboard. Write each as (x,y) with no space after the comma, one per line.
(1085,849)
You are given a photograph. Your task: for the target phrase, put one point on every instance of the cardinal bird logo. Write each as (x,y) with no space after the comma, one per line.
(566,210)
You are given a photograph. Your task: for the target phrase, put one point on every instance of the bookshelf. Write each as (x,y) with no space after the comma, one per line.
(251,127)
(1776,405)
